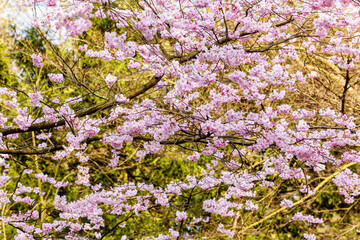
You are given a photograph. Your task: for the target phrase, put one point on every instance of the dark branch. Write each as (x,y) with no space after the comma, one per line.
(81,113)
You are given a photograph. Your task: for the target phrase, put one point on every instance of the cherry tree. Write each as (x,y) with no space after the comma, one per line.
(219,86)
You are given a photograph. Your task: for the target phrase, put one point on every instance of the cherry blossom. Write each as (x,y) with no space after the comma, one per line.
(209,83)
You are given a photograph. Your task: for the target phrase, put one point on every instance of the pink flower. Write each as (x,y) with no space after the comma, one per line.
(287,203)
(229,233)
(37,60)
(83,47)
(180,216)
(77,26)
(42,146)
(308,218)
(277,96)
(57,78)
(134,65)
(35,99)
(75,227)
(309,236)
(110,79)
(194,157)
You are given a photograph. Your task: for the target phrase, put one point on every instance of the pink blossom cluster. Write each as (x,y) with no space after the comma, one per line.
(57,78)
(287,203)
(309,236)
(36,98)
(308,218)
(37,60)
(349,184)
(46,178)
(110,79)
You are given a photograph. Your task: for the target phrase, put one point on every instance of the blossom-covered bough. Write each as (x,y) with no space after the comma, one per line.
(215,84)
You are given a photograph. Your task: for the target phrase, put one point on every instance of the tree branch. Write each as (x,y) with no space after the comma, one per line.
(58,147)
(325,181)
(81,113)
